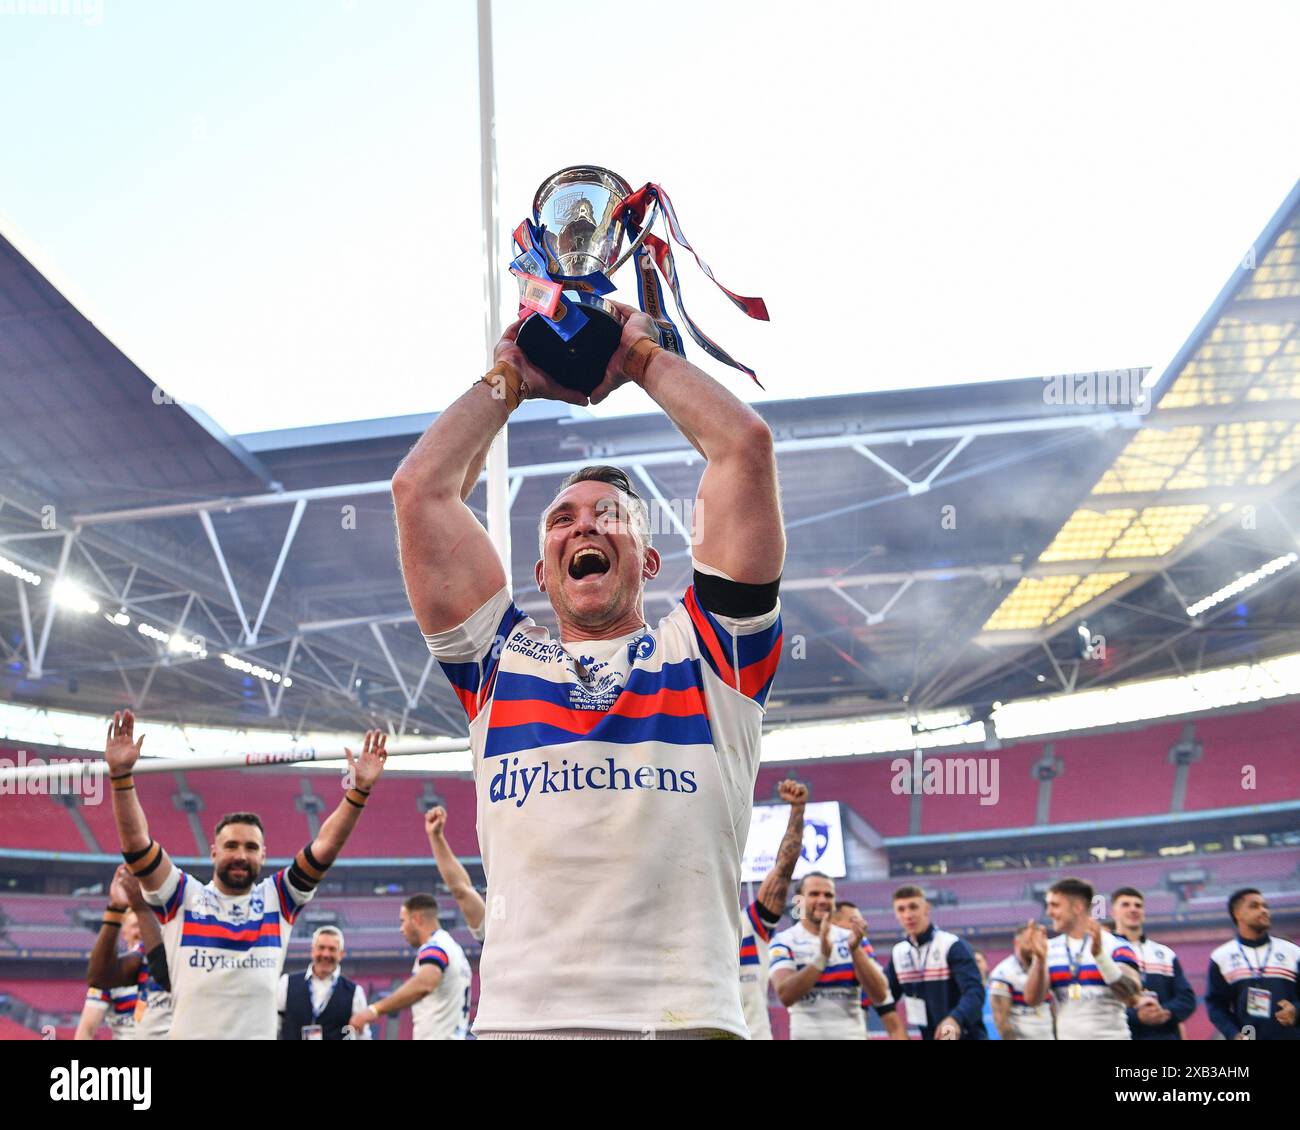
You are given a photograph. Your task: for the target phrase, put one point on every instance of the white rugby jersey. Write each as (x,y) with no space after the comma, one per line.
(1008,980)
(119,1009)
(1097,1013)
(614,781)
(225,954)
(832,1008)
(1154,958)
(755,936)
(444,1013)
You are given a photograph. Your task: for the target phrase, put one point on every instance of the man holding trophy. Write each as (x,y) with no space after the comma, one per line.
(615,763)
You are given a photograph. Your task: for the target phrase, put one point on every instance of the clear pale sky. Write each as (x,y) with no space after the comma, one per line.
(274,208)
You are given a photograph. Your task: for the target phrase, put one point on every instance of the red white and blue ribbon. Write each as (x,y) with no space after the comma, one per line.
(661,252)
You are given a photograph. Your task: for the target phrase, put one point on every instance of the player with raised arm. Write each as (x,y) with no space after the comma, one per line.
(1093,975)
(819,969)
(437,992)
(614,763)
(226,940)
(454,875)
(762,915)
(142,969)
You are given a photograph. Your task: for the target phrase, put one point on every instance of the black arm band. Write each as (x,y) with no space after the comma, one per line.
(300,879)
(132,856)
(151,868)
(312,861)
(158,967)
(885,1009)
(767,915)
(735,598)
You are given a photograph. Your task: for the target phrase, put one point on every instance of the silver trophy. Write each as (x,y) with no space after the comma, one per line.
(579,214)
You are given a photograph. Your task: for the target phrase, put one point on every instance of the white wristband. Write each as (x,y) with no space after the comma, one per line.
(1110,972)
(820,960)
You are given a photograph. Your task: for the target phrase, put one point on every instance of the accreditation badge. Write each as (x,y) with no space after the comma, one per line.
(1259,1002)
(916,1014)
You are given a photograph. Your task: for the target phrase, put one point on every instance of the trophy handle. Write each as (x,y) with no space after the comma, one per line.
(632,247)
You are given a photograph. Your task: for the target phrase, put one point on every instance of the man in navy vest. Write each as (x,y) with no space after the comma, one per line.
(317,1004)
(1167,997)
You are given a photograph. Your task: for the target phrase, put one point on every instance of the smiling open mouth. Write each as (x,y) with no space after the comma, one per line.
(588,561)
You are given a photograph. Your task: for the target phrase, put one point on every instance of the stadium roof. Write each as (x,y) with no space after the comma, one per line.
(944,543)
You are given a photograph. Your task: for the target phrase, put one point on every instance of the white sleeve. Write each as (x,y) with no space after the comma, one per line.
(470,639)
(291,899)
(743,652)
(168,899)
(282,992)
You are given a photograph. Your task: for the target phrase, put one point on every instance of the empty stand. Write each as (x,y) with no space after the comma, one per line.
(1267,741)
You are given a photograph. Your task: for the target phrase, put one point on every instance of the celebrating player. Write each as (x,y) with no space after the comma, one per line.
(765,912)
(226,940)
(615,764)
(437,992)
(1092,974)
(1016,1020)
(817,968)
(139,975)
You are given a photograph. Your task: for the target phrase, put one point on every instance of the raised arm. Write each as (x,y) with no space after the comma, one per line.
(452,870)
(448,562)
(363,771)
(776,883)
(738,528)
(105,969)
(145,858)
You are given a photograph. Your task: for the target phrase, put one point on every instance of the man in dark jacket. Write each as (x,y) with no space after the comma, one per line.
(1167,996)
(933,976)
(1250,992)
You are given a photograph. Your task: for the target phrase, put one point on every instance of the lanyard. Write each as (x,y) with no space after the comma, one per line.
(315,1012)
(1076,963)
(1257,974)
(922,953)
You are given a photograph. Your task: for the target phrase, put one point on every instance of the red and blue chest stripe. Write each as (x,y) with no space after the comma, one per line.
(666,705)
